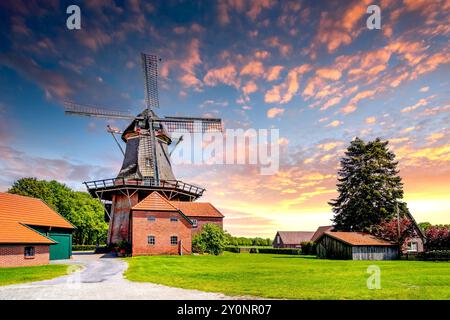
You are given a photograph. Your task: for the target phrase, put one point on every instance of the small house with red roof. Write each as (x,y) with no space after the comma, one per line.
(354,246)
(291,239)
(31,233)
(159,226)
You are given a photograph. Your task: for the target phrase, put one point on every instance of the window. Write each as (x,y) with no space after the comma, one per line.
(173,240)
(151,240)
(151,218)
(412,246)
(29,252)
(173,219)
(194,223)
(278,239)
(148,162)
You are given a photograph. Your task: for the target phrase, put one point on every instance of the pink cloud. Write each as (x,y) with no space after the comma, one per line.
(226,75)
(274,112)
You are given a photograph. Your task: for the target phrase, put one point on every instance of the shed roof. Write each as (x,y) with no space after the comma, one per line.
(295,237)
(358,238)
(16,212)
(197,209)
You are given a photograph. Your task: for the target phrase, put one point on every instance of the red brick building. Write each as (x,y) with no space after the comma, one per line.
(160,226)
(31,233)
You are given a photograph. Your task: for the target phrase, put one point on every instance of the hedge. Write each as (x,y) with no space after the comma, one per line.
(435,255)
(236,249)
(84,247)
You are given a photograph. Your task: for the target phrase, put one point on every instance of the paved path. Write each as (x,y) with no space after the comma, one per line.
(101,279)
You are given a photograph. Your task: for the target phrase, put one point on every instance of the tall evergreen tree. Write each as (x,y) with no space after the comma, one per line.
(369,187)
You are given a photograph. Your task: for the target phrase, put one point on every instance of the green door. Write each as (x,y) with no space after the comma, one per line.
(63,249)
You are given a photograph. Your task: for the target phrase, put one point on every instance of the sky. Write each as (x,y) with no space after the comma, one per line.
(311,69)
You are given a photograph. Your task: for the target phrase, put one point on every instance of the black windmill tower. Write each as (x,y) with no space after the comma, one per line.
(146,165)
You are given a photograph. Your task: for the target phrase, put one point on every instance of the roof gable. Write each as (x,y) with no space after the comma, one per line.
(320,231)
(197,209)
(154,202)
(295,237)
(30,211)
(18,212)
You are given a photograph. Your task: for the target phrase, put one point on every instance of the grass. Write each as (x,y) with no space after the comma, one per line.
(293,277)
(30,274)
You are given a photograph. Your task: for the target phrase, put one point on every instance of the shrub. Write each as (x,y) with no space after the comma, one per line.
(234,249)
(308,247)
(198,245)
(212,239)
(85,247)
(292,251)
(435,255)
(438,237)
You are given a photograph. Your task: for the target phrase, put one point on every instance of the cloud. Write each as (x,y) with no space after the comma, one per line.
(250,87)
(226,75)
(284,92)
(53,83)
(424,89)
(274,73)
(334,123)
(328,73)
(420,103)
(370,120)
(253,68)
(16,164)
(257,6)
(274,112)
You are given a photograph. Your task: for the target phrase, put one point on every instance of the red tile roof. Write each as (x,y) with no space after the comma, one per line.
(295,237)
(359,239)
(320,231)
(155,202)
(16,212)
(197,209)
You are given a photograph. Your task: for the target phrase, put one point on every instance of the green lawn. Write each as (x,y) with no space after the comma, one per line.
(293,277)
(30,274)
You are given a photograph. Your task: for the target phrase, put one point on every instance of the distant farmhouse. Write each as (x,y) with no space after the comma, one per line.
(291,239)
(31,233)
(349,245)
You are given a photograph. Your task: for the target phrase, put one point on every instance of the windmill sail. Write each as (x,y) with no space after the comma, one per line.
(150,70)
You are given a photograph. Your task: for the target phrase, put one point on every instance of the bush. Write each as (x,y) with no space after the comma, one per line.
(435,255)
(292,251)
(198,245)
(308,247)
(85,247)
(211,239)
(234,249)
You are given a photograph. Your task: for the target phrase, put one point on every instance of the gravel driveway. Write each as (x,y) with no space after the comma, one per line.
(101,279)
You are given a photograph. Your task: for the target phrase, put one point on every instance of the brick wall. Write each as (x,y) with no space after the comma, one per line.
(13,256)
(162,229)
(201,221)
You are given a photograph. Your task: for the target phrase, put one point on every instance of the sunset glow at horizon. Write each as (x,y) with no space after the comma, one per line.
(311,69)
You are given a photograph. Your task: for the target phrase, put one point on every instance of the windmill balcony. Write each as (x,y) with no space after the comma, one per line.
(101,188)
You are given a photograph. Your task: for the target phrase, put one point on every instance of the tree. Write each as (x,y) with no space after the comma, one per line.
(369,187)
(211,239)
(438,237)
(424,226)
(79,208)
(392,231)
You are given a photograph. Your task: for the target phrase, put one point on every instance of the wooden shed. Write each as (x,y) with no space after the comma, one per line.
(355,246)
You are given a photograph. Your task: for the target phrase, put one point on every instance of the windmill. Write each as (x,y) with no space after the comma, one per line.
(146,165)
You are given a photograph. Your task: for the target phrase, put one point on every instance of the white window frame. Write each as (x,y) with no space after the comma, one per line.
(410,246)
(194,223)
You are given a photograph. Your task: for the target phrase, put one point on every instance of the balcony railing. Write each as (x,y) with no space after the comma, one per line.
(146,182)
